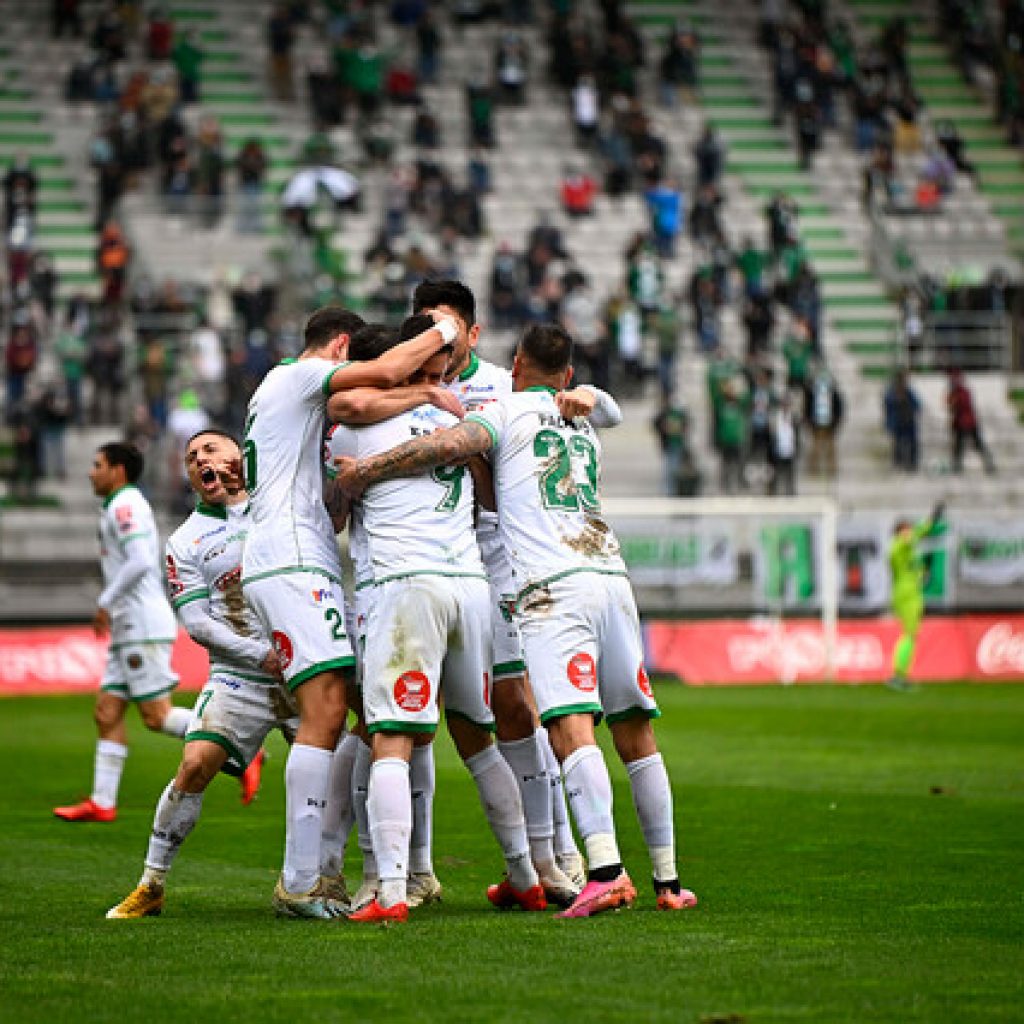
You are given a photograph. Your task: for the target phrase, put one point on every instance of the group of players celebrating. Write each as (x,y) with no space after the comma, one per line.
(471,498)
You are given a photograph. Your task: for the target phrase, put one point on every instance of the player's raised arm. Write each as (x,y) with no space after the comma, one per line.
(362,406)
(456,444)
(397,364)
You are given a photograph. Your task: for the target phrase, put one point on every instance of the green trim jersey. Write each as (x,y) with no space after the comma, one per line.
(290,529)
(129,541)
(547,473)
(414,525)
(204,571)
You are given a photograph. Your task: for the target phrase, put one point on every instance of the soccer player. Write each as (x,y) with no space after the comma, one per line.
(908,572)
(521,738)
(244,698)
(429,629)
(291,569)
(133,610)
(577,614)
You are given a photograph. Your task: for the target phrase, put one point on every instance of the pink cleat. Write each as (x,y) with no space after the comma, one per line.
(600,896)
(669,900)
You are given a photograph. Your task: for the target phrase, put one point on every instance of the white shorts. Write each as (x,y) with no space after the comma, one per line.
(304,614)
(139,670)
(584,653)
(425,634)
(507,645)
(237,714)
(357,614)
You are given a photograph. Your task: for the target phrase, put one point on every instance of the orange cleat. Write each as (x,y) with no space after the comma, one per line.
(598,897)
(374,913)
(252,777)
(682,900)
(504,897)
(87,810)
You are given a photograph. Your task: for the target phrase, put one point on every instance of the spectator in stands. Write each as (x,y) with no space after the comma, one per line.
(187,56)
(108,34)
(781,215)
(798,351)
(251,166)
(578,191)
(807,123)
(20,187)
(112,259)
(680,476)
(667,328)
(758,321)
(586,110)
(159,35)
(678,68)
(280,40)
(254,301)
(948,137)
(71,349)
(709,157)
(24,423)
(155,370)
(428,47)
(902,412)
(208,365)
(43,284)
(511,67)
(52,413)
(964,425)
(105,369)
(783,446)
(824,406)
(506,287)
(210,171)
(21,356)
(110,177)
(66,15)
(426,128)
(665,206)
(731,431)
(762,402)
(179,179)
(705,300)
(705,226)
(185,420)
(480,112)
(752,263)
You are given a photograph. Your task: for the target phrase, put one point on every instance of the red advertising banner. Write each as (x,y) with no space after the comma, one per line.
(70,659)
(986,647)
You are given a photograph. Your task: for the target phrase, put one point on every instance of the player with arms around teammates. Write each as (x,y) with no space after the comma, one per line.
(576,610)
(244,698)
(291,569)
(133,610)
(429,587)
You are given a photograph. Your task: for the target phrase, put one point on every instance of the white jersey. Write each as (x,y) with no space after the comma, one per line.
(358,545)
(479,383)
(282,459)
(128,533)
(204,563)
(414,525)
(547,474)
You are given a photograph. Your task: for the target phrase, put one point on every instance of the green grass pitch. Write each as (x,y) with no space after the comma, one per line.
(858,856)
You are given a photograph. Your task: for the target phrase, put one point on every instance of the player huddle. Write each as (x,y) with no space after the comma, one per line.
(471,499)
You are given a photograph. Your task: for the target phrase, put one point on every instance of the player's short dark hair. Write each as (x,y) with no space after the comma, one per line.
(121,453)
(548,347)
(430,294)
(218,432)
(327,323)
(371,341)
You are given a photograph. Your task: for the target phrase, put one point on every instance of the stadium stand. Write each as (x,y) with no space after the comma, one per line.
(842,186)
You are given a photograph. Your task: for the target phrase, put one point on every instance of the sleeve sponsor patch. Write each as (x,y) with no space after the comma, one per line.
(123,515)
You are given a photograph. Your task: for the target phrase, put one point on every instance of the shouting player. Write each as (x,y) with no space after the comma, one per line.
(291,569)
(133,611)
(244,698)
(576,610)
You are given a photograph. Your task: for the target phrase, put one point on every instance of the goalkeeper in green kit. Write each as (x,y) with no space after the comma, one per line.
(908,578)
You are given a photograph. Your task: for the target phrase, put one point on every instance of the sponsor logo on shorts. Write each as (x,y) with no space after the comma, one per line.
(135,661)
(283,646)
(643,682)
(582,672)
(412,691)
(320,595)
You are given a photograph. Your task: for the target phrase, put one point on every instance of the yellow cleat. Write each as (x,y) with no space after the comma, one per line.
(423,888)
(315,903)
(142,901)
(334,887)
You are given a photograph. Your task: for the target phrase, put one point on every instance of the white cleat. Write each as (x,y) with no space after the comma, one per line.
(559,888)
(572,865)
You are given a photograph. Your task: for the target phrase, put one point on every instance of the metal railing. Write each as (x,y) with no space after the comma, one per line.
(972,342)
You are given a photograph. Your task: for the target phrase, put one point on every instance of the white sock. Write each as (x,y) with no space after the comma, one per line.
(526,759)
(652,798)
(306,776)
(106,772)
(565,842)
(176,722)
(176,815)
(422,781)
(590,796)
(503,807)
(360,785)
(389,807)
(338,814)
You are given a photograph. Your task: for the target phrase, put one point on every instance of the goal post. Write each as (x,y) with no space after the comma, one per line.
(745,556)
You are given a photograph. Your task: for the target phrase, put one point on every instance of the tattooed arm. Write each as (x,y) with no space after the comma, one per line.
(455,444)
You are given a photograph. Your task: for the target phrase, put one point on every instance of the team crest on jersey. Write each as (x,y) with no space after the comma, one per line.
(283,647)
(643,682)
(412,691)
(123,515)
(582,672)
(134,661)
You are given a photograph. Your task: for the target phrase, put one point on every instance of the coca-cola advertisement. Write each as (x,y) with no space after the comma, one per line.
(769,650)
